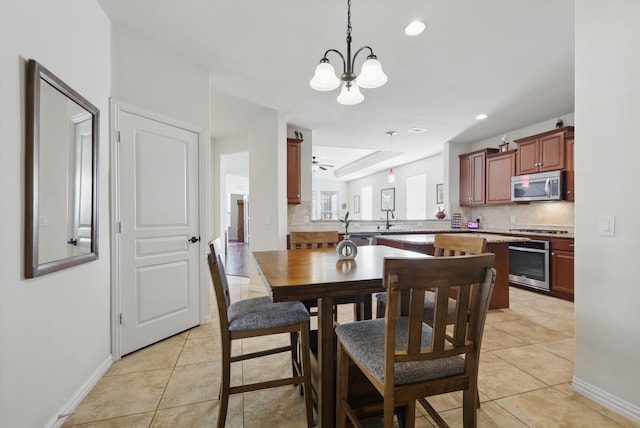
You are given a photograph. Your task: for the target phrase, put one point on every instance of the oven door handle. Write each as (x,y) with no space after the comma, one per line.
(528,250)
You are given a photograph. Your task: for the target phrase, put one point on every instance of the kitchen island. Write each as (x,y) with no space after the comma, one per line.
(497,244)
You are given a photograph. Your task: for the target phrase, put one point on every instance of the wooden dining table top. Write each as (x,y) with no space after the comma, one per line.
(317,273)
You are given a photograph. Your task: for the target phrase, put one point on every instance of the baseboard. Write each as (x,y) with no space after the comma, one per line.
(80,394)
(609,401)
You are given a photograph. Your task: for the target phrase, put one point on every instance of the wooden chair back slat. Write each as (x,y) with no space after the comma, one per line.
(440,274)
(454,245)
(307,240)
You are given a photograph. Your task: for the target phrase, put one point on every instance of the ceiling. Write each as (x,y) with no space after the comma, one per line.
(510,59)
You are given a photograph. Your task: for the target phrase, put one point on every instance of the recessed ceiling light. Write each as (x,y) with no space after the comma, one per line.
(416,130)
(481,116)
(414,28)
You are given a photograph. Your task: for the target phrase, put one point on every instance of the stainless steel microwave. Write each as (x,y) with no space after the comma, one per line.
(543,186)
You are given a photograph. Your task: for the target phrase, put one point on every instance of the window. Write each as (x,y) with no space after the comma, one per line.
(417,203)
(328,205)
(366,209)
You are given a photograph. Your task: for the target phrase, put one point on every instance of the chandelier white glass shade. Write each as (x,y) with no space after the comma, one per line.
(371,75)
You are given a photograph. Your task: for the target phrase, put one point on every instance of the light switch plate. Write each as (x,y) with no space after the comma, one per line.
(606,225)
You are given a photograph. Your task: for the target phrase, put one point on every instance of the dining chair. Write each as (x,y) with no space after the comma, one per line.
(254,317)
(306,240)
(406,359)
(444,244)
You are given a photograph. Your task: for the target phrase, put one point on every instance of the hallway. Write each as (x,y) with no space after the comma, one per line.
(237,259)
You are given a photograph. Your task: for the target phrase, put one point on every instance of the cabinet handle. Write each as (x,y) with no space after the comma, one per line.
(572,245)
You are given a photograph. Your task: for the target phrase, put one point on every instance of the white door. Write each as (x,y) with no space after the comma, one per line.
(158,205)
(81,189)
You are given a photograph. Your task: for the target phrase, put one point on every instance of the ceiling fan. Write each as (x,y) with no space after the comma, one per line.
(316,164)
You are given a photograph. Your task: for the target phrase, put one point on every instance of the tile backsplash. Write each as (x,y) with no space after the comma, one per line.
(541,215)
(550,215)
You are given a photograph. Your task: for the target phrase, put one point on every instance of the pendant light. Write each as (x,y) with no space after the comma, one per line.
(391,176)
(371,74)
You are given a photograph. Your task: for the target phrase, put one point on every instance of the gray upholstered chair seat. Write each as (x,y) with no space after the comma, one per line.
(365,341)
(429,304)
(262,312)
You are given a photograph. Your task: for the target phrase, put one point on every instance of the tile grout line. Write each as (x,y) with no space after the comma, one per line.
(173,369)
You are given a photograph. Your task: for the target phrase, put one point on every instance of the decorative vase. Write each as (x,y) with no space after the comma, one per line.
(346,249)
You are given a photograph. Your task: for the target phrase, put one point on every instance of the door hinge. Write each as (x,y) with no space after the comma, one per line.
(118,136)
(118,227)
(120,318)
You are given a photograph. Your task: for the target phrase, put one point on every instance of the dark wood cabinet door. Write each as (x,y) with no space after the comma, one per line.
(473,177)
(527,156)
(294,187)
(465,180)
(478,182)
(552,152)
(562,267)
(500,168)
(569,177)
(562,274)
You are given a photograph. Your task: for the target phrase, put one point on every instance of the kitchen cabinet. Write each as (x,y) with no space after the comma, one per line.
(472,177)
(562,267)
(500,168)
(569,176)
(543,152)
(294,187)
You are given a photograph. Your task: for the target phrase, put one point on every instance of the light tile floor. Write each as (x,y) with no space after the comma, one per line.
(526,369)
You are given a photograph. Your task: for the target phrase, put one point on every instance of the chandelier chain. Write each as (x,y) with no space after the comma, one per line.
(349,19)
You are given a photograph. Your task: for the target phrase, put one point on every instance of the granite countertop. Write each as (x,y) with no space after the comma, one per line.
(427,239)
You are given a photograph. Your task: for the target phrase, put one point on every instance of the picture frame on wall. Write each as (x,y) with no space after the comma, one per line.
(388,199)
(440,193)
(356,204)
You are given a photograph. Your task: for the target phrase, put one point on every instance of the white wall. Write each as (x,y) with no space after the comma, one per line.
(267,182)
(55,329)
(606,157)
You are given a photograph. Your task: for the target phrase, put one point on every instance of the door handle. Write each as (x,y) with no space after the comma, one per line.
(72,241)
(193,239)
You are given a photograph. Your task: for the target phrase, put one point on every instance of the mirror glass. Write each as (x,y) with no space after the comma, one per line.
(62,137)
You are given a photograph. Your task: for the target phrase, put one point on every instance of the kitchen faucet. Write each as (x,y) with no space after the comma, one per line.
(387,226)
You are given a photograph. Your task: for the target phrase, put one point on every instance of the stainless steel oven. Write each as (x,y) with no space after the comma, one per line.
(529,264)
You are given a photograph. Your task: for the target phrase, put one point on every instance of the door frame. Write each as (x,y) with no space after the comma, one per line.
(204,173)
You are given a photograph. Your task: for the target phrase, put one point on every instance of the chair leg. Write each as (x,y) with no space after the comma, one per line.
(342,385)
(470,407)
(295,355)
(380,307)
(305,349)
(225,384)
(389,413)
(407,415)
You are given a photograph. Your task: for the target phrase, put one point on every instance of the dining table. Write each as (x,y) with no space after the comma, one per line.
(318,274)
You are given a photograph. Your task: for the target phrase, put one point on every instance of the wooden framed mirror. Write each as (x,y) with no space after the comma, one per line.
(61,175)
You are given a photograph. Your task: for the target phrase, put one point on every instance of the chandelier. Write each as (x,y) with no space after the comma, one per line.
(371,74)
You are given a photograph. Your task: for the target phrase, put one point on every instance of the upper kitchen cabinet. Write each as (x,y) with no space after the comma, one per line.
(570,182)
(500,168)
(294,187)
(543,152)
(472,177)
